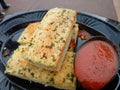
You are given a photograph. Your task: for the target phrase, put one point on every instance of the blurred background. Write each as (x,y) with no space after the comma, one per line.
(105,8)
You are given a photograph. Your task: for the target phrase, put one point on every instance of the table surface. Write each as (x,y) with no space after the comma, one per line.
(116,4)
(105,8)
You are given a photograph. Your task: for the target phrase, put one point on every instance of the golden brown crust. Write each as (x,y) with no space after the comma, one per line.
(28,32)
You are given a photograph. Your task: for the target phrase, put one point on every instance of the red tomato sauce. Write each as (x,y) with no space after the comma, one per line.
(96,64)
(84,35)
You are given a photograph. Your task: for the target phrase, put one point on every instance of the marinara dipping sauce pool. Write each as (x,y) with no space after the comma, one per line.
(96,64)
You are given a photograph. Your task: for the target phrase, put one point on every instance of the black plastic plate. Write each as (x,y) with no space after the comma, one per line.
(12,27)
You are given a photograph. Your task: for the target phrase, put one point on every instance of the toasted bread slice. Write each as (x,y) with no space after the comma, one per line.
(63,79)
(51,41)
(28,32)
